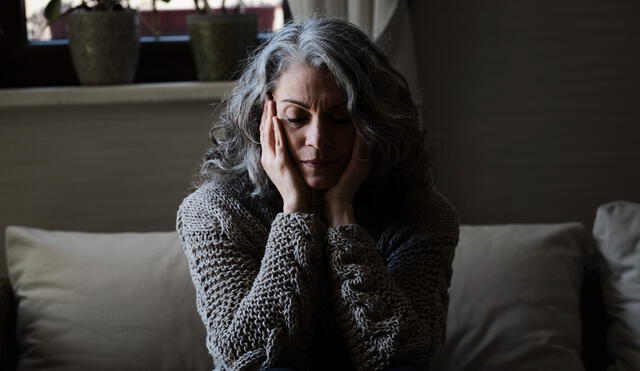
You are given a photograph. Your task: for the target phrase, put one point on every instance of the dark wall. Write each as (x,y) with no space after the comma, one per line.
(99,167)
(537,104)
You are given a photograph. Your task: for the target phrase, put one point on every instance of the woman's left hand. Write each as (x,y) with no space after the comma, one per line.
(338,200)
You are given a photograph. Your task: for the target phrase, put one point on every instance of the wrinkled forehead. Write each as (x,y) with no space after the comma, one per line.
(313,86)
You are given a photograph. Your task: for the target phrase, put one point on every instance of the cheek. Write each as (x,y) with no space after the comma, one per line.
(293,141)
(345,141)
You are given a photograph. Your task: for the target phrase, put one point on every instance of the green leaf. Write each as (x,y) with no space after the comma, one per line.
(52,10)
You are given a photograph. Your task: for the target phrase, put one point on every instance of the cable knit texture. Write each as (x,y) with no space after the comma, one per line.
(293,293)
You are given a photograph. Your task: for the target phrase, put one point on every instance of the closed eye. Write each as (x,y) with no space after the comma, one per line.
(294,120)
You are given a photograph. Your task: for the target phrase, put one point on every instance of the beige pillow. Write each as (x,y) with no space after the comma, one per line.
(617,234)
(96,301)
(515,299)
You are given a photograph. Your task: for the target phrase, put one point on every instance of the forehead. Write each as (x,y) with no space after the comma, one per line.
(303,82)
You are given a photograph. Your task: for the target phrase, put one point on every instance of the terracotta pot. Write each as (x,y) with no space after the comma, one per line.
(220,42)
(104,46)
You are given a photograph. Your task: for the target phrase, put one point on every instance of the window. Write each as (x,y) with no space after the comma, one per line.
(36,55)
(167,20)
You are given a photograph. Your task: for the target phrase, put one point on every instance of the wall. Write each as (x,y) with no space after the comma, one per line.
(99,167)
(536,103)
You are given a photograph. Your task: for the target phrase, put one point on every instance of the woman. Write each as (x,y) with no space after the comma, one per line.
(315,239)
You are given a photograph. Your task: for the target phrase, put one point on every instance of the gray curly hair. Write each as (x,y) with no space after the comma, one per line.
(378,102)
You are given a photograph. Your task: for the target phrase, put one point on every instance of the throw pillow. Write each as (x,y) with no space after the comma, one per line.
(515,299)
(617,234)
(104,301)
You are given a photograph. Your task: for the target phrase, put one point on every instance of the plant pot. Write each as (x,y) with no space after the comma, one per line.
(219,43)
(104,46)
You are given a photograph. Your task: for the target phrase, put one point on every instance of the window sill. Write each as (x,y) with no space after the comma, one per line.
(130,93)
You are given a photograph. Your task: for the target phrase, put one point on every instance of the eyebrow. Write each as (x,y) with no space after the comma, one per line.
(306,106)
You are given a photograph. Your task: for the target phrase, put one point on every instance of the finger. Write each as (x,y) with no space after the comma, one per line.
(359,164)
(360,149)
(355,152)
(263,122)
(279,138)
(356,145)
(363,160)
(264,115)
(269,138)
(269,128)
(267,148)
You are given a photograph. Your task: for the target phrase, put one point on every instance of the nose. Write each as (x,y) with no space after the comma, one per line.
(318,135)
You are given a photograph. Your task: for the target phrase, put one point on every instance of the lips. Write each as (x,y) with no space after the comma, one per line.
(318,164)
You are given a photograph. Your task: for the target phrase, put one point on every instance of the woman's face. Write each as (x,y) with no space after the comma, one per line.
(318,128)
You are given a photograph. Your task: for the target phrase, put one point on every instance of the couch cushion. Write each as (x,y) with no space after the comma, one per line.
(515,299)
(93,301)
(617,234)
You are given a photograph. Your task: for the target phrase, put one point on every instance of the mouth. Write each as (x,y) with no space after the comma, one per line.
(318,164)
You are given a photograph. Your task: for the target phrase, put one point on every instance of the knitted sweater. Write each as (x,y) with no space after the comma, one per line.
(295,293)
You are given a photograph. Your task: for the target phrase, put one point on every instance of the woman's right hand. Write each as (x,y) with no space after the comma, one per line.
(275,160)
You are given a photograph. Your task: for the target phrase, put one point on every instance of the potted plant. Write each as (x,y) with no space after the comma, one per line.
(220,41)
(104,40)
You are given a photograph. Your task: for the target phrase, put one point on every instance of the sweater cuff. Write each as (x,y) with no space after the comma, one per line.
(301,234)
(345,236)
(308,221)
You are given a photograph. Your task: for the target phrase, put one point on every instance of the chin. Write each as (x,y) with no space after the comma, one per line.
(320,183)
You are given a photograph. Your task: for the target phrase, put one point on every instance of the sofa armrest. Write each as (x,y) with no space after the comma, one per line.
(8,346)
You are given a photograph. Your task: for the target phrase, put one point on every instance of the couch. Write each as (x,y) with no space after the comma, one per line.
(523,297)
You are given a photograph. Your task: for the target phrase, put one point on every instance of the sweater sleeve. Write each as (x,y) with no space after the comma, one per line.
(393,296)
(253,286)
